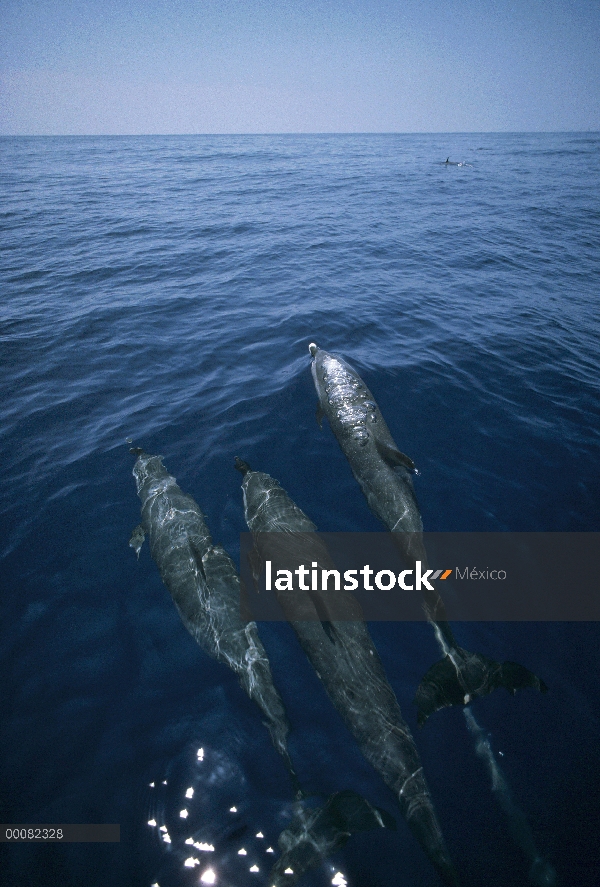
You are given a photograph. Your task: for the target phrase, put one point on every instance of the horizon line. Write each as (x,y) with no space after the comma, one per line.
(33,135)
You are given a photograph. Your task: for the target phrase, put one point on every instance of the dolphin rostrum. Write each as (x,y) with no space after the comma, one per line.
(316,833)
(205,588)
(384,476)
(346,661)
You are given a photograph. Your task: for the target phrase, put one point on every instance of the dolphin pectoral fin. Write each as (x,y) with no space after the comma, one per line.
(319,413)
(329,630)
(137,539)
(245,610)
(394,457)
(358,814)
(462,676)
(200,553)
(256,565)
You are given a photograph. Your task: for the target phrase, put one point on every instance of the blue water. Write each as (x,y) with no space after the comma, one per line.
(166,289)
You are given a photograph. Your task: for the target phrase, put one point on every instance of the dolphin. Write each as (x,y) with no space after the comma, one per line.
(315,833)
(384,474)
(205,588)
(541,871)
(346,661)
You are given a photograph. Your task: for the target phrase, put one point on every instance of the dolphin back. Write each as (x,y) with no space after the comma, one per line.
(382,471)
(205,588)
(346,661)
(177,533)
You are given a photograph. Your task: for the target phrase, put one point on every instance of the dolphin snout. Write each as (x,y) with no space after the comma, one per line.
(313,349)
(241,465)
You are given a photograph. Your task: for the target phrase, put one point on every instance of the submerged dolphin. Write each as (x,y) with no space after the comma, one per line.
(384,476)
(541,872)
(205,588)
(315,833)
(344,658)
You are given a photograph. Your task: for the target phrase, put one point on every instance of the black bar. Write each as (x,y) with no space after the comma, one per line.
(61,834)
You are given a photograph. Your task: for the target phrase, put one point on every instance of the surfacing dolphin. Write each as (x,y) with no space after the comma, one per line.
(345,659)
(316,833)
(205,588)
(384,476)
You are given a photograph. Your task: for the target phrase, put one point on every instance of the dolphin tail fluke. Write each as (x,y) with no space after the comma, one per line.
(462,676)
(316,832)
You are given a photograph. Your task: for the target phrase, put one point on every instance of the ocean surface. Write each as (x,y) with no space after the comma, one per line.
(165,289)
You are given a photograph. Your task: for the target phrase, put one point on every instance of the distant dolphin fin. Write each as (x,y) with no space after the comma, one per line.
(137,539)
(462,676)
(393,456)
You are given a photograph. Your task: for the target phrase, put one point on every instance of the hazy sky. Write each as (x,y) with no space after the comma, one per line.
(253,66)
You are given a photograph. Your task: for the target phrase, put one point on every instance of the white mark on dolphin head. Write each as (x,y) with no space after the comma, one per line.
(312,348)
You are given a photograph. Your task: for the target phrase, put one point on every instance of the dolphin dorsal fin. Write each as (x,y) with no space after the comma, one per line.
(393,456)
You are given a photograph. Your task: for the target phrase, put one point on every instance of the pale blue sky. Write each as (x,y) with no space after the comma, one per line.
(255,66)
